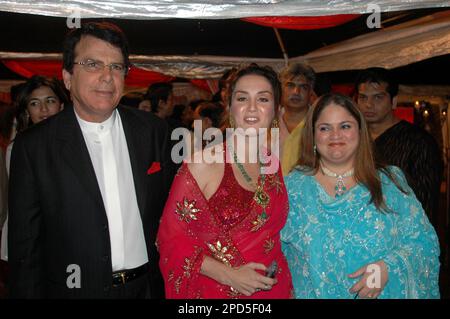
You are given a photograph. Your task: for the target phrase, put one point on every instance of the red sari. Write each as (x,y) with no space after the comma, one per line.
(229,227)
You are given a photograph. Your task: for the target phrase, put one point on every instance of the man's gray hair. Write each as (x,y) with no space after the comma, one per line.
(298,69)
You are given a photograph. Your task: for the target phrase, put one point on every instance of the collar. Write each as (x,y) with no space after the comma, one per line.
(98,128)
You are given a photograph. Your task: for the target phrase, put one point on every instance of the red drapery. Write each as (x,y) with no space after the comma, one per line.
(303,23)
(52,68)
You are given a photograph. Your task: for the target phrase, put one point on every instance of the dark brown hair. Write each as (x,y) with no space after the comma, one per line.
(253,69)
(105,31)
(23,97)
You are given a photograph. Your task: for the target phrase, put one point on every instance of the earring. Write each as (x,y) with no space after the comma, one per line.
(27,117)
(275,123)
(231,121)
(315,150)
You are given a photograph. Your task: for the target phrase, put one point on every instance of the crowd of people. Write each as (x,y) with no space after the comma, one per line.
(98,208)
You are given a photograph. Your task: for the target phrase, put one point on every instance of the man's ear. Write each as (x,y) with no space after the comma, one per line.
(67,78)
(312,97)
(394,102)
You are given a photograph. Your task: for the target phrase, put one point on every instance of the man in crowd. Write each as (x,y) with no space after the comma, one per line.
(398,142)
(297,81)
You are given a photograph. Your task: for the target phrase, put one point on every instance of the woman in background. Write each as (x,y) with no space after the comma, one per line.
(37,99)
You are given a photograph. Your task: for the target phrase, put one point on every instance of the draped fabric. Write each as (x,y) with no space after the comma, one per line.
(137,77)
(326,239)
(204,9)
(303,23)
(229,227)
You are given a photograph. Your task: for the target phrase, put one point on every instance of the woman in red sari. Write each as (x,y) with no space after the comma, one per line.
(219,232)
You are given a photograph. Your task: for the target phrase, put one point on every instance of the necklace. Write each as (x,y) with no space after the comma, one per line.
(260,197)
(339,188)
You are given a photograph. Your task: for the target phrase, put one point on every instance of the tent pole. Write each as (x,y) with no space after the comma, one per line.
(283,49)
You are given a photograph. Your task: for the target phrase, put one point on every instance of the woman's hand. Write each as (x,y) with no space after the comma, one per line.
(373,280)
(246,280)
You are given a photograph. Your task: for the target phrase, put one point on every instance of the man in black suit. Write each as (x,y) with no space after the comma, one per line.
(88,185)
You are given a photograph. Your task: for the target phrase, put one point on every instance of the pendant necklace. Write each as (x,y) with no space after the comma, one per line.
(260,197)
(340,187)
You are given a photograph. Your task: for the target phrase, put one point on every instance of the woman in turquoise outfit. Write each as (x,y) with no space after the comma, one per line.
(355,228)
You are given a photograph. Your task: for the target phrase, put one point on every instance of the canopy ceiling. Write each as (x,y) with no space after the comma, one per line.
(207,9)
(205,48)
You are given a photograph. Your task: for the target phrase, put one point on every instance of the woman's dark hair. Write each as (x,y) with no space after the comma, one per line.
(212,111)
(178,110)
(156,92)
(23,97)
(7,114)
(254,69)
(105,31)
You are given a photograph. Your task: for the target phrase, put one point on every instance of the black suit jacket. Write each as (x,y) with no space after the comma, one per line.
(57,217)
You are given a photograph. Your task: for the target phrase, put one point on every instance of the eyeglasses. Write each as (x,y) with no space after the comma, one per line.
(94,66)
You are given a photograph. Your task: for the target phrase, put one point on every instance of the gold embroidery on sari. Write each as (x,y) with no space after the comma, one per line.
(268,245)
(274,182)
(178,284)
(220,253)
(233,293)
(259,221)
(187,268)
(187,210)
(170,276)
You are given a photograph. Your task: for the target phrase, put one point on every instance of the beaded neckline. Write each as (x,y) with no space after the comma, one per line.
(340,187)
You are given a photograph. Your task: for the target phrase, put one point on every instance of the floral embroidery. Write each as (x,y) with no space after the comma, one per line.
(268,245)
(220,253)
(312,219)
(259,221)
(187,210)
(274,182)
(307,239)
(379,224)
(177,285)
(170,276)
(233,293)
(187,267)
(349,231)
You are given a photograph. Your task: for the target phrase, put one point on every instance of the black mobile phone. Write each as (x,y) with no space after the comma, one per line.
(271,271)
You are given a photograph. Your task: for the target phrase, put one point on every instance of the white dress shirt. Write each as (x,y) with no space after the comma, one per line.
(108,150)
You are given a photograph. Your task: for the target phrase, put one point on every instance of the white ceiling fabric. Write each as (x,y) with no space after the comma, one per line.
(207,9)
